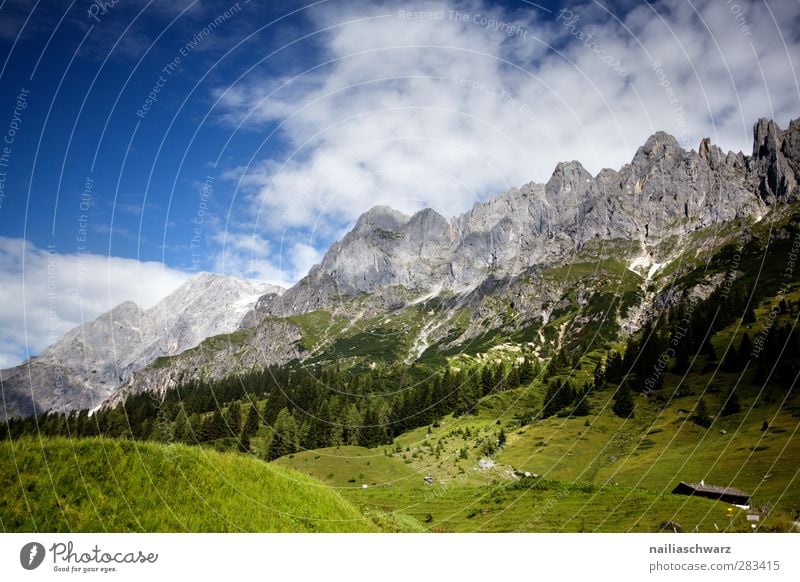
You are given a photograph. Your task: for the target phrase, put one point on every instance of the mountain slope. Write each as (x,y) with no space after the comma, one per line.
(598,255)
(88,364)
(95,485)
(444,442)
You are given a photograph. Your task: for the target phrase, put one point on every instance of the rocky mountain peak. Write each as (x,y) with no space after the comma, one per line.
(767,138)
(127,309)
(664,191)
(568,185)
(775,164)
(661,145)
(92,360)
(380,218)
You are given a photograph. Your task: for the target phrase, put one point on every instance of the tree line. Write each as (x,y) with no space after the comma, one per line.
(303,407)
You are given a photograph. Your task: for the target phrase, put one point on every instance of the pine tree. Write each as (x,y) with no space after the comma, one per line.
(749,316)
(731,405)
(244,443)
(252,423)
(624,406)
(599,375)
(702,416)
(501,438)
(745,348)
(730,363)
(233,419)
(284,440)
(181,430)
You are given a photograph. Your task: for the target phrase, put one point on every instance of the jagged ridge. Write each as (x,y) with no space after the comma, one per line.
(89,363)
(499,248)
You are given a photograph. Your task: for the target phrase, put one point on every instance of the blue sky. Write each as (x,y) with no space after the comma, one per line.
(155,139)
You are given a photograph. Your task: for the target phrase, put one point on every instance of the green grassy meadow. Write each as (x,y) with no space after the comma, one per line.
(111,485)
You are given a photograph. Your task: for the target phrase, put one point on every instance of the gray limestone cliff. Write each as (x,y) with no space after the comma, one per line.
(88,364)
(664,193)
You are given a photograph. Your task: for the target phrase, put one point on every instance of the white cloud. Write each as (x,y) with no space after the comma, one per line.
(444,111)
(252,257)
(44,294)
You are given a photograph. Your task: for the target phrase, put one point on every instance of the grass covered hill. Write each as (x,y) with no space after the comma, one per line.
(102,484)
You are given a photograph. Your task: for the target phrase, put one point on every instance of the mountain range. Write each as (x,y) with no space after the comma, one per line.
(88,364)
(581,258)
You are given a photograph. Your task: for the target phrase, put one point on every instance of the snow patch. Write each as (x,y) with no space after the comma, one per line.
(644,265)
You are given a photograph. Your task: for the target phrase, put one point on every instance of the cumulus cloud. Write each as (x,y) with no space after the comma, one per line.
(44,294)
(250,256)
(444,104)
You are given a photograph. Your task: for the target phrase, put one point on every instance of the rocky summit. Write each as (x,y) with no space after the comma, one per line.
(664,193)
(88,364)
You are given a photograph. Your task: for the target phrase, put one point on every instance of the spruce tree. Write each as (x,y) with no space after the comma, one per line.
(181,430)
(731,405)
(730,363)
(214,427)
(624,406)
(195,429)
(702,416)
(745,348)
(244,443)
(551,403)
(614,369)
(682,359)
(582,406)
(599,375)
(252,423)
(284,440)
(233,419)
(352,425)
(513,378)
(527,372)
